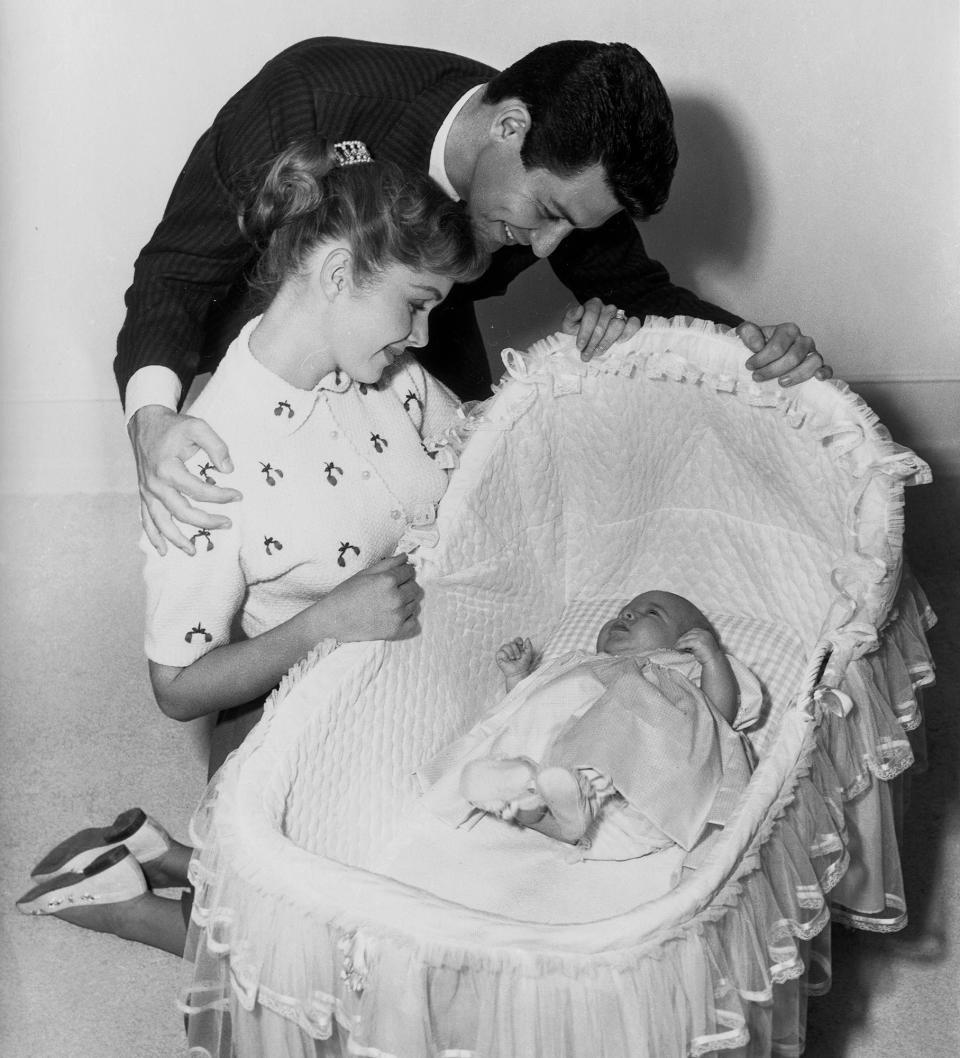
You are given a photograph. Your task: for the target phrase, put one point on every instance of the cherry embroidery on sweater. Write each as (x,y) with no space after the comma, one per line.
(198,630)
(411,398)
(204,473)
(269,541)
(344,548)
(269,471)
(205,534)
(379,443)
(281,404)
(331,470)
(368,387)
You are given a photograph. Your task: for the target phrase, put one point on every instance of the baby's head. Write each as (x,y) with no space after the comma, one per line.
(654,620)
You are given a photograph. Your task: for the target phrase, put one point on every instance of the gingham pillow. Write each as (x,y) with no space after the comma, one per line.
(772,651)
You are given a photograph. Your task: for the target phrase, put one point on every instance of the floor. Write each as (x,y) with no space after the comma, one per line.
(82,739)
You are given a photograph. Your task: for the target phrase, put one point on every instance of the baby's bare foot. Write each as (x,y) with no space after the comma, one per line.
(570,808)
(497,785)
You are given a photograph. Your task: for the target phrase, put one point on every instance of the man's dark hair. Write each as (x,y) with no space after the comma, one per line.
(592,103)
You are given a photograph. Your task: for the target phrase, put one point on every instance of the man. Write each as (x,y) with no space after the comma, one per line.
(556,157)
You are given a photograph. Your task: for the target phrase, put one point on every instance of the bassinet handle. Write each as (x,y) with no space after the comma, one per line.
(815,695)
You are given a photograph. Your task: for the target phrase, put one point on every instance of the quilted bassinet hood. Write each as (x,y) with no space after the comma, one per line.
(661,465)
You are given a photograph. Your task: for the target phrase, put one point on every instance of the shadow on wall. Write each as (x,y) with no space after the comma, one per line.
(932,510)
(710,219)
(706,226)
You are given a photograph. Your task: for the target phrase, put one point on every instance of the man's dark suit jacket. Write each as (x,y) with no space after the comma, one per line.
(187,300)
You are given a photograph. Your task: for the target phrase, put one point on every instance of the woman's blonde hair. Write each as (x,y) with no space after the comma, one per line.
(384,213)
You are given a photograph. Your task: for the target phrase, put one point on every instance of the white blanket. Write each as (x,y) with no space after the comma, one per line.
(508,870)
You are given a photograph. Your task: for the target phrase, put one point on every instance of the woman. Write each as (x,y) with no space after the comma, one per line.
(330,428)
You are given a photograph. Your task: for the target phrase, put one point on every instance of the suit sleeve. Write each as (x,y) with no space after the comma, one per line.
(197,254)
(611,263)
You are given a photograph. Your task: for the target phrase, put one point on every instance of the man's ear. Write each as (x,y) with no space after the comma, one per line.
(334,274)
(511,121)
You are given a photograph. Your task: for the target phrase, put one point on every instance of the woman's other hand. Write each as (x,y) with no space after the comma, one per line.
(380,602)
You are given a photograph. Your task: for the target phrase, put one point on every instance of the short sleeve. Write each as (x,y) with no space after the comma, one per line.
(436,406)
(751,695)
(192,601)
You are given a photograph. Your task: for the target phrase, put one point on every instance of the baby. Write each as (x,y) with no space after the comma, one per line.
(644,730)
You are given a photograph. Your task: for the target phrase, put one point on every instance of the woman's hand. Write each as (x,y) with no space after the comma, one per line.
(597,326)
(380,602)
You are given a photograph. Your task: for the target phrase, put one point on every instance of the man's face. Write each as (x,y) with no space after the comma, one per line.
(512,205)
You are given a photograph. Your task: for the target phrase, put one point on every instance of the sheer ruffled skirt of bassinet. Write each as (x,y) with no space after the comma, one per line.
(780,513)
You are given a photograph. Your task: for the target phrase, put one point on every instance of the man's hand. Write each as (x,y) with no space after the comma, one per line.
(162,442)
(782,352)
(597,326)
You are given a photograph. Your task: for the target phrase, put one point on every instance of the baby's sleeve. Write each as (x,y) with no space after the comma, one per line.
(192,601)
(751,695)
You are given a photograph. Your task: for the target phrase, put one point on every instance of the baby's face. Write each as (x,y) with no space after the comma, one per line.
(654,620)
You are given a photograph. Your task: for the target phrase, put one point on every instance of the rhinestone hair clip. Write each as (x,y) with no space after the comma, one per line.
(351,152)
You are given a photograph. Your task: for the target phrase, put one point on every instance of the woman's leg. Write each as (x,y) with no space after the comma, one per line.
(231,728)
(148,919)
(169,869)
(157,921)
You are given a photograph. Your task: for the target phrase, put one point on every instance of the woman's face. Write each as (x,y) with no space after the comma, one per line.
(384,316)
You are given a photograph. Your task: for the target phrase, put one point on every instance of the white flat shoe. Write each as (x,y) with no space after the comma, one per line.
(143,836)
(112,877)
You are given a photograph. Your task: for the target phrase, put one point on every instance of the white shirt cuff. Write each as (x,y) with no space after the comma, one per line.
(152,385)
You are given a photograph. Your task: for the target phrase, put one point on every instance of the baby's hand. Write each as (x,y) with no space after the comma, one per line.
(702,644)
(515,659)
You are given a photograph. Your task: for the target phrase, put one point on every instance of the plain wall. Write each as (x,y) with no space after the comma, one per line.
(818,182)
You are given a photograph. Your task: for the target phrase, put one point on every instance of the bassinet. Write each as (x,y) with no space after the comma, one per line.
(779,512)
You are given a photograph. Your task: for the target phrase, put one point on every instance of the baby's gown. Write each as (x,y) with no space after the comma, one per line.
(637,723)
